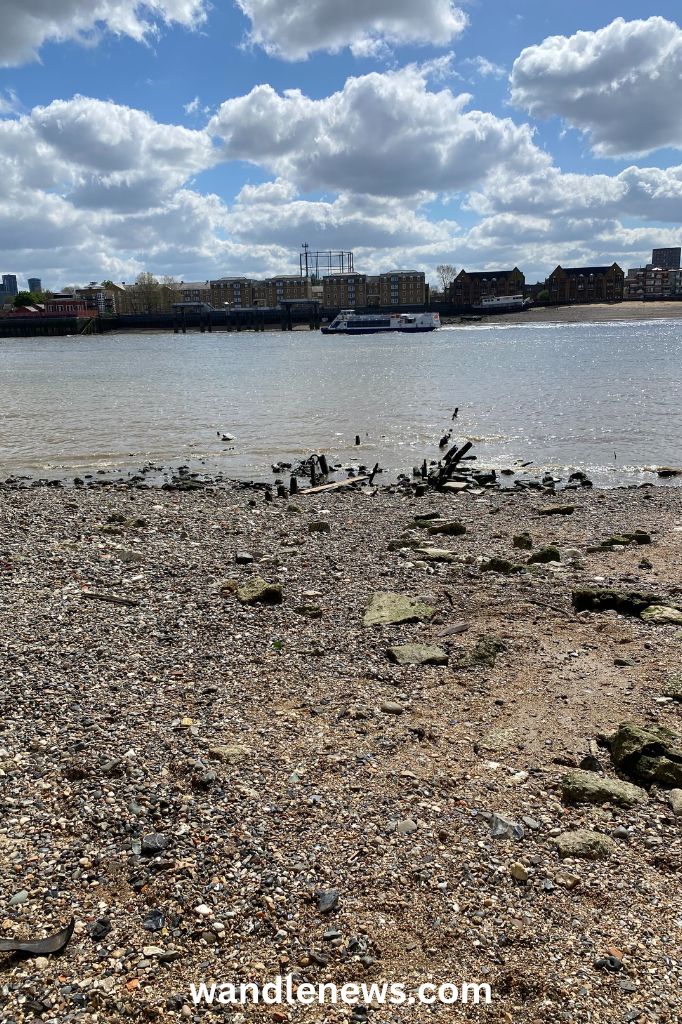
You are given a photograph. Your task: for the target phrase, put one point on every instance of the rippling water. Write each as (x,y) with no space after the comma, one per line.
(606,397)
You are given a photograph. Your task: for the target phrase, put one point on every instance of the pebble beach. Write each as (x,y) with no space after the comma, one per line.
(349,737)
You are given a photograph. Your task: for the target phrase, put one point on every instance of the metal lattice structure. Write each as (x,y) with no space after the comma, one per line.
(323,263)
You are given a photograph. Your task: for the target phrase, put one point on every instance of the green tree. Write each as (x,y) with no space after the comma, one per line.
(26,299)
(543,296)
(107,284)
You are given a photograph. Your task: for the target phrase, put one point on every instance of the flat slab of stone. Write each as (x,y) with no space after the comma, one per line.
(450,528)
(417,654)
(662,615)
(259,591)
(673,687)
(585,844)
(556,510)
(228,753)
(587,788)
(387,608)
(435,554)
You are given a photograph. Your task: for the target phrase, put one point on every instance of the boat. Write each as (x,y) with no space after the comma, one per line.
(350,322)
(502,303)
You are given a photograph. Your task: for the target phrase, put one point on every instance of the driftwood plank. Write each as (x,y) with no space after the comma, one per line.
(335,486)
(97,595)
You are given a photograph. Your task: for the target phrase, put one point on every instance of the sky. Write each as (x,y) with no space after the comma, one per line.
(204,139)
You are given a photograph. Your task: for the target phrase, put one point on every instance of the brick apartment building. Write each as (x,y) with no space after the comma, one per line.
(234,292)
(402,288)
(469,287)
(344,291)
(586,284)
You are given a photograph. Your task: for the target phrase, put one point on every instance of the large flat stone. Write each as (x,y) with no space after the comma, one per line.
(387,607)
(259,591)
(662,615)
(587,788)
(417,654)
(585,844)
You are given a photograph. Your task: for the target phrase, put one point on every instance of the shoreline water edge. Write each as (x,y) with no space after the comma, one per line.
(354,735)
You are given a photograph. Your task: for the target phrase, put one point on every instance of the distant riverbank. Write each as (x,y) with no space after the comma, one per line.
(596,313)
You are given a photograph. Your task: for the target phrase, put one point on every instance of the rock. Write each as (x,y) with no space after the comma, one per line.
(154,921)
(625,602)
(406,827)
(505,828)
(587,788)
(556,510)
(230,753)
(662,615)
(19,898)
(676,802)
(546,554)
(621,833)
(673,687)
(229,586)
(243,558)
(567,880)
(451,528)
(100,928)
(435,554)
(585,844)
(503,565)
(524,541)
(650,753)
(484,654)
(319,526)
(386,608)
(154,843)
(417,654)
(259,591)
(519,872)
(328,901)
(309,611)
(391,707)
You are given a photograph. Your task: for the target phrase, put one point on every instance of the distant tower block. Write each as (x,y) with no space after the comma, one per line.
(667,259)
(323,263)
(35,285)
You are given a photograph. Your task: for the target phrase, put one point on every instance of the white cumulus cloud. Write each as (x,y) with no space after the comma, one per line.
(296,28)
(621,85)
(382,134)
(26,24)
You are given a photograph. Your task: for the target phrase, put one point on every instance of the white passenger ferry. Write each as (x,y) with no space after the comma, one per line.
(350,322)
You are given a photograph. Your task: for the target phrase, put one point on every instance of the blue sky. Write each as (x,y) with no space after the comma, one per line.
(196,140)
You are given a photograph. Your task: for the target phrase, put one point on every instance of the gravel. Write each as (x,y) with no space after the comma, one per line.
(216,788)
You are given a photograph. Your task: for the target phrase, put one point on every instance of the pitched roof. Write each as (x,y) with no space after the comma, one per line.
(576,271)
(485,274)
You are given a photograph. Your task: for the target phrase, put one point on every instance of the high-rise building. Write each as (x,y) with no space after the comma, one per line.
(35,285)
(667,259)
(9,284)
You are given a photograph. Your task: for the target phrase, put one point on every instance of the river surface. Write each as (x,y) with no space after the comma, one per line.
(603,397)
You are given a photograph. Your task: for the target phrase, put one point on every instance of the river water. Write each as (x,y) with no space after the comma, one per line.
(604,397)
